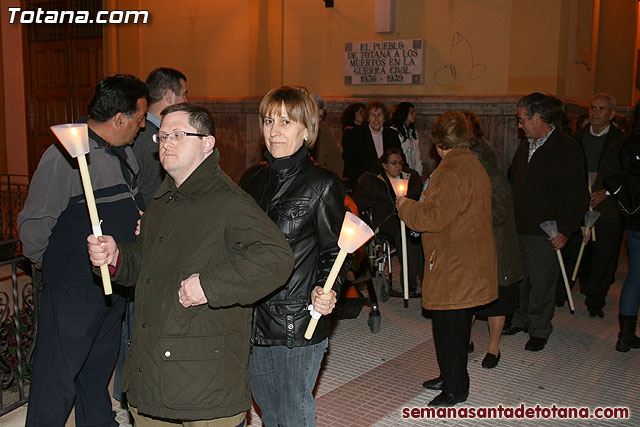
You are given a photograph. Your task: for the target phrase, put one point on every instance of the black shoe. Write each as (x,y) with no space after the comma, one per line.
(396,294)
(490,361)
(471,347)
(448,399)
(535,344)
(559,303)
(627,338)
(434,384)
(625,344)
(512,330)
(414,294)
(595,312)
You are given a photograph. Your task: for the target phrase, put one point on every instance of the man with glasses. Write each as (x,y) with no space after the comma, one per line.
(166,87)
(205,253)
(547,177)
(78,326)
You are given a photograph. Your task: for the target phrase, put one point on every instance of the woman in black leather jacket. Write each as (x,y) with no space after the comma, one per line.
(306,201)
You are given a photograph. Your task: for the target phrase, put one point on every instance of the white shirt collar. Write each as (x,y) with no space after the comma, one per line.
(604,131)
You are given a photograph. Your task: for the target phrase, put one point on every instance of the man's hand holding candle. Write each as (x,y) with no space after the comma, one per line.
(102,250)
(557,242)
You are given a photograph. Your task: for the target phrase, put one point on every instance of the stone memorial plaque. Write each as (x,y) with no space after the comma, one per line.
(384,62)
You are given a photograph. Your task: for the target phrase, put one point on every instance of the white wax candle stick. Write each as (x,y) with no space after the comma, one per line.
(328,284)
(566,281)
(405,272)
(95,220)
(575,270)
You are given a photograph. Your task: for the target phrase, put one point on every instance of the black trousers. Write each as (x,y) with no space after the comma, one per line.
(602,259)
(76,349)
(451,333)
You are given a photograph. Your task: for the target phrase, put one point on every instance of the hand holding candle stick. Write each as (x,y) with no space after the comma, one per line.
(75,139)
(354,233)
(400,187)
(590,218)
(551,228)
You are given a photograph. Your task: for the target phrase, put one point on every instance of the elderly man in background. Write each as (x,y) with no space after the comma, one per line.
(601,143)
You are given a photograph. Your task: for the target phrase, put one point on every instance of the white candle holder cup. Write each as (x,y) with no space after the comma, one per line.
(550,227)
(400,186)
(354,233)
(590,218)
(74,137)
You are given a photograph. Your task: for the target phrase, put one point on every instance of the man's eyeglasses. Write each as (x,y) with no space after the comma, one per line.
(177,136)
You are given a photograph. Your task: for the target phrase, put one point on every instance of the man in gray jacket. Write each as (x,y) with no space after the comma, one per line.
(205,253)
(78,327)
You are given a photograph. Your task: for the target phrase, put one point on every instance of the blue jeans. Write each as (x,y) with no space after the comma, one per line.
(282,381)
(630,295)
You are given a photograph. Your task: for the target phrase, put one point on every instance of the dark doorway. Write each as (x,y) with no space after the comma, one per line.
(62,65)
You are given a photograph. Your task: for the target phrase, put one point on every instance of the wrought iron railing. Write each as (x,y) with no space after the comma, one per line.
(19,295)
(13,193)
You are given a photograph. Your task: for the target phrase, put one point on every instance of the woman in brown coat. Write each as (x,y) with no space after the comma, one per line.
(461,270)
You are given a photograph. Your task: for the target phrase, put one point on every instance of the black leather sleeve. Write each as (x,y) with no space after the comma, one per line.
(329,217)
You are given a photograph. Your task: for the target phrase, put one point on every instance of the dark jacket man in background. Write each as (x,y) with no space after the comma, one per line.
(204,254)
(601,143)
(166,87)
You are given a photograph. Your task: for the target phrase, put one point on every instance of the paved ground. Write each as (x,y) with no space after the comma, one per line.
(367,379)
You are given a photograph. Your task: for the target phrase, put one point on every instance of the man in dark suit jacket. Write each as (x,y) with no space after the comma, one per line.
(548,181)
(363,146)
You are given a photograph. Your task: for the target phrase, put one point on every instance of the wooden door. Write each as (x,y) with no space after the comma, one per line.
(62,65)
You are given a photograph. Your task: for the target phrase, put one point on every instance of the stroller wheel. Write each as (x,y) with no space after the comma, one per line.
(374,321)
(383,286)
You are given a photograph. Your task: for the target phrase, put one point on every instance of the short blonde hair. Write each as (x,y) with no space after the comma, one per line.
(298,104)
(452,130)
